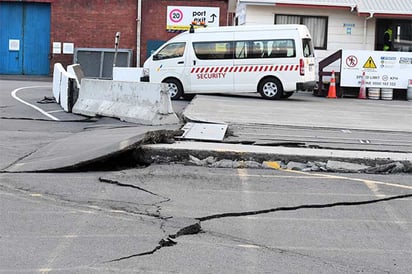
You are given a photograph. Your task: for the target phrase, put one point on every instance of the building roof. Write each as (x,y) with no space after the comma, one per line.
(378,8)
(401,8)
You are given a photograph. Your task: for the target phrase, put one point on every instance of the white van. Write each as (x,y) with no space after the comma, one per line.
(274,60)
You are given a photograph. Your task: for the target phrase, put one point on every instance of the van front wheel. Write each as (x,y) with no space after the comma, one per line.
(270,88)
(175,88)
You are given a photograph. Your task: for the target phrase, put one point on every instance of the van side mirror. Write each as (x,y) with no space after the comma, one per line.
(156,57)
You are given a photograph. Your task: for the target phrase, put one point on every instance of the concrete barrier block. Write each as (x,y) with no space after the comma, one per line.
(127,74)
(64,92)
(61,88)
(136,102)
(77,72)
(58,68)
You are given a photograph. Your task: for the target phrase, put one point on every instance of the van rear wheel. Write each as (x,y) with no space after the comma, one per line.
(175,88)
(270,88)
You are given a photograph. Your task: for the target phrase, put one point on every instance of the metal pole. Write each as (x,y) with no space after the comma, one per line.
(116,46)
(138,31)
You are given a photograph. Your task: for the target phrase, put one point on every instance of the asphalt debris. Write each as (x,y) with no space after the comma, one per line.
(308,166)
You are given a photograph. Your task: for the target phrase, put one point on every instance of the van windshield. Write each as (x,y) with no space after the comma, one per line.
(307,48)
(172,50)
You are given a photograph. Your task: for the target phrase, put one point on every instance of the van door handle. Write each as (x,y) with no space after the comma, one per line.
(181,62)
(194,62)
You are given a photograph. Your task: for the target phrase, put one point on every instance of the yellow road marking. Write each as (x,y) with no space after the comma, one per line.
(329,176)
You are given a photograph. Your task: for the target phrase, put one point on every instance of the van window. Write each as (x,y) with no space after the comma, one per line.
(171,50)
(213,50)
(307,48)
(279,48)
(282,48)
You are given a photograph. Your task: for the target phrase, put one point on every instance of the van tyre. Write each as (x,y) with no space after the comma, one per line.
(175,88)
(271,88)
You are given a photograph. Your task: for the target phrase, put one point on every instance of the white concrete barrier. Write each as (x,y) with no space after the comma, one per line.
(77,72)
(61,84)
(57,74)
(127,74)
(136,102)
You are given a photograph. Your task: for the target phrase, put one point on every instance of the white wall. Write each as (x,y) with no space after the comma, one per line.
(337,36)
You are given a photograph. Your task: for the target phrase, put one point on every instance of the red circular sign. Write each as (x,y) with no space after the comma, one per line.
(176,16)
(351,61)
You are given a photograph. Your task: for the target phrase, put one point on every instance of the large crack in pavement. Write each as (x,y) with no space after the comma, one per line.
(166,242)
(172,226)
(294,208)
(195,227)
(3,170)
(192,228)
(157,204)
(113,182)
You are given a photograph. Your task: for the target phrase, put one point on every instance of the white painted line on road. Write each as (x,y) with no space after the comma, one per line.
(365,181)
(54,111)
(249,246)
(14,95)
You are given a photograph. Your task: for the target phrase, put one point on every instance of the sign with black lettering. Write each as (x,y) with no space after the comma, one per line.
(383,69)
(179,18)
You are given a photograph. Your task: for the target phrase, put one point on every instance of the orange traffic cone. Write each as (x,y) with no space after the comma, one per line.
(362,90)
(332,86)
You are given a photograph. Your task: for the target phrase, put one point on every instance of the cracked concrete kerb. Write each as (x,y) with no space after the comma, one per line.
(304,159)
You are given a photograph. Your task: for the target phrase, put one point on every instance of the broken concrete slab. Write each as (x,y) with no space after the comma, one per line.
(296,165)
(340,166)
(395,167)
(88,147)
(179,151)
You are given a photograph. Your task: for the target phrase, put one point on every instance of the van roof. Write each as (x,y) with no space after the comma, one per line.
(302,30)
(253,27)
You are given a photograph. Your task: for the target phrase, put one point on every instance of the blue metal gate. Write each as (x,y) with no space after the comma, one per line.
(24,38)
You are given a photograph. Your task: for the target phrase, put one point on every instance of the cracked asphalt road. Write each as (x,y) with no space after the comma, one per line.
(162,219)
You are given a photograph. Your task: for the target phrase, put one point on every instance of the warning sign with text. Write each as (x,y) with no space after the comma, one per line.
(383,69)
(179,18)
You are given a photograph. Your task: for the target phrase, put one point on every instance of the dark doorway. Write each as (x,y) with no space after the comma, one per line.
(402,34)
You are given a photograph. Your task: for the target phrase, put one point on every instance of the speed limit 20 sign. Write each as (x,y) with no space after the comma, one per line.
(176,15)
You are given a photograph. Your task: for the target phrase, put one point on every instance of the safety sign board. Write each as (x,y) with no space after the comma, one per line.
(383,69)
(179,18)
